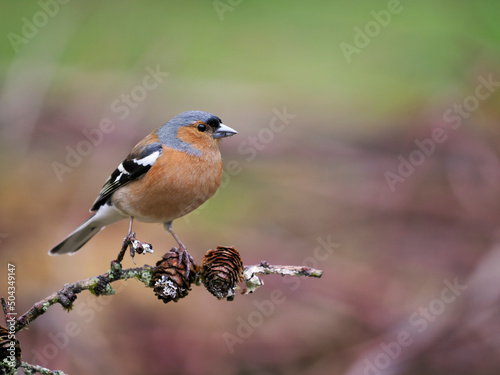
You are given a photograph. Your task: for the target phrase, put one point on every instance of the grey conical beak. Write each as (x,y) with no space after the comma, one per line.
(224,131)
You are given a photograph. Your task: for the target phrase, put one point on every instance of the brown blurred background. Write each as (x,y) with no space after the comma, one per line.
(384,173)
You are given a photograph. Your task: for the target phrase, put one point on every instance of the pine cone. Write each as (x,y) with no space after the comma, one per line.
(169,280)
(222,269)
(9,347)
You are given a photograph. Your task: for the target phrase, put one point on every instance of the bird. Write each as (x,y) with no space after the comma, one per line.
(168,174)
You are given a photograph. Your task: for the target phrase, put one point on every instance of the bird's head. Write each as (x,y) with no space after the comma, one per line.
(194,129)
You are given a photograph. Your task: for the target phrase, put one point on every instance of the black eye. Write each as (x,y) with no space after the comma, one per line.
(202,127)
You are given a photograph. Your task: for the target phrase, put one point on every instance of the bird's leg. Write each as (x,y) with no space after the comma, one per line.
(181,250)
(135,245)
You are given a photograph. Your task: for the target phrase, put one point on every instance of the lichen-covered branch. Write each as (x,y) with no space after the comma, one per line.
(252,281)
(171,279)
(35,369)
(99,285)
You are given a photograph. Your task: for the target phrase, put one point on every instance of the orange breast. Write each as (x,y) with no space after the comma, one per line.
(175,185)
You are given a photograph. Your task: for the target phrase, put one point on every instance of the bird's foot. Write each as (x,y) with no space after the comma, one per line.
(186,257)
(136,246)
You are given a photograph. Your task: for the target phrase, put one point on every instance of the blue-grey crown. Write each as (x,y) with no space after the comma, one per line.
(187,118)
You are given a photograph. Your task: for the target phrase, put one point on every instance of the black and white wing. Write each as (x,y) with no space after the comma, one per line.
(137,163)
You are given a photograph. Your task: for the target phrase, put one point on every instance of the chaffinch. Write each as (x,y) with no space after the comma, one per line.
(167,175)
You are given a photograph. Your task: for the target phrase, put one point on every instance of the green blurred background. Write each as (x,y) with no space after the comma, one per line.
(321,177)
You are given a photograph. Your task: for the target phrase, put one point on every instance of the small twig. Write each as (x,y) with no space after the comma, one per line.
(253,282)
